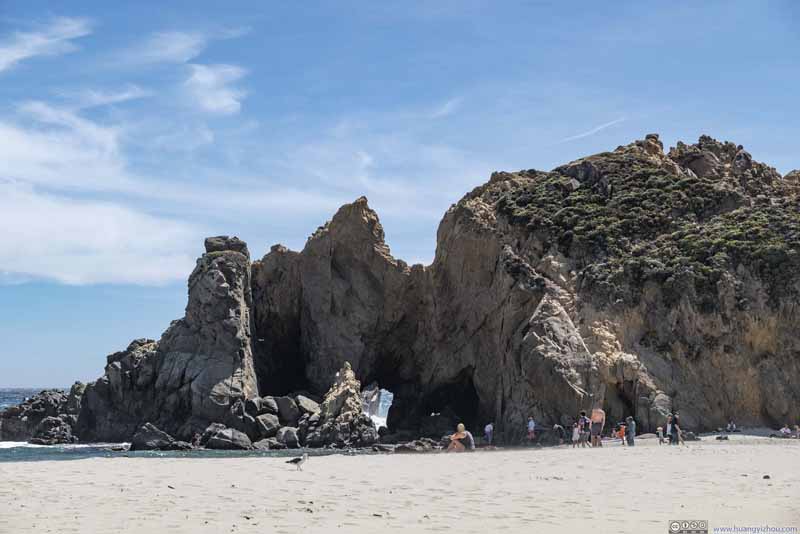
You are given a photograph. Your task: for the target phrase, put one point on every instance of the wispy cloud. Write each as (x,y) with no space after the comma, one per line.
(92,98)
(211,88)
(593,131)
(177,46)
(447,108)
(50,40)
(168,47)
(81,242)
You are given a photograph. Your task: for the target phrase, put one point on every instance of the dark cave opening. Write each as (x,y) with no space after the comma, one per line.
(620,402)
(457,399)
(437,412)
(279,375)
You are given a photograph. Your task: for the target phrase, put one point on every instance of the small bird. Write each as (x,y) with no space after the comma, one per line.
(299,461)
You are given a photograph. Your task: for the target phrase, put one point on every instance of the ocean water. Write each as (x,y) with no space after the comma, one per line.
(14,396)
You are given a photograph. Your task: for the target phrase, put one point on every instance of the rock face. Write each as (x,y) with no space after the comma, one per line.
(639,280)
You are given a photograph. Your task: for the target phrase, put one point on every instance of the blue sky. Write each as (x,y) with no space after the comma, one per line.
(129,131)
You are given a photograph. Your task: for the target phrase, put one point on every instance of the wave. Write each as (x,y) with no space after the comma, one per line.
(26,445)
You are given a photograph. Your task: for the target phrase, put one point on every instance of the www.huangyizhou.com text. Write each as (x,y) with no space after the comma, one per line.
(762,529)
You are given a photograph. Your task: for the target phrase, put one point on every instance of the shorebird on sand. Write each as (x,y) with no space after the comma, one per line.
(299,461)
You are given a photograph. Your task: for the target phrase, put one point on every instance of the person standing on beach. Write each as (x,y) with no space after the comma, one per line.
(531,429)
(621,432)
(559,430)
(488,433)
(669,428)
(598,422)
(584,424)
(630,430)
(675,437)
(576,434)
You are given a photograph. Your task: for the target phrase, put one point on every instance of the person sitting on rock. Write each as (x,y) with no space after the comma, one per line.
(786,432)
(462,440)
(731,426)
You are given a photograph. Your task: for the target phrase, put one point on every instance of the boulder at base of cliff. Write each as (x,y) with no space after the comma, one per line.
(267,425)
(150,438)
(288,411)
(219,437)
(306,405)
(288,436)
(53,431)
(269,444)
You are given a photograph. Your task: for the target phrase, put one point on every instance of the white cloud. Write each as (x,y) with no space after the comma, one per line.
(211,89)
(58,148)
(169,47)
(81,242)
(447,108)
(592,131)
(51,40)
(177,46)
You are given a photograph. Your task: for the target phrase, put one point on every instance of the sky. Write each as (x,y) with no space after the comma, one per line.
(129,131)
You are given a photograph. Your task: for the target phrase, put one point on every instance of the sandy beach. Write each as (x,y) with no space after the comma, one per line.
(546,490)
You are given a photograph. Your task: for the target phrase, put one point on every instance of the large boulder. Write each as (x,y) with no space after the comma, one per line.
(228,439)
(268,425)
(150,438)
(268,444)
(288,436)
(268,405)
(306,405)
(54,431)
(288,411)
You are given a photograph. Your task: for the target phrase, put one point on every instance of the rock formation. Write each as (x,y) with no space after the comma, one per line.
(639,280)
(45,419)
(340,421)
(195,374)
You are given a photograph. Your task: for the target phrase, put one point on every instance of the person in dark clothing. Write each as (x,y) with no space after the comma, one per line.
(675,430)
(560,433)
(630,430)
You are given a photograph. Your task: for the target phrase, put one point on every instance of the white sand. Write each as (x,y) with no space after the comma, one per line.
(628,490)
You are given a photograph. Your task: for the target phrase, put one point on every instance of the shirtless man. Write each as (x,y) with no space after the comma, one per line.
(598,422)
